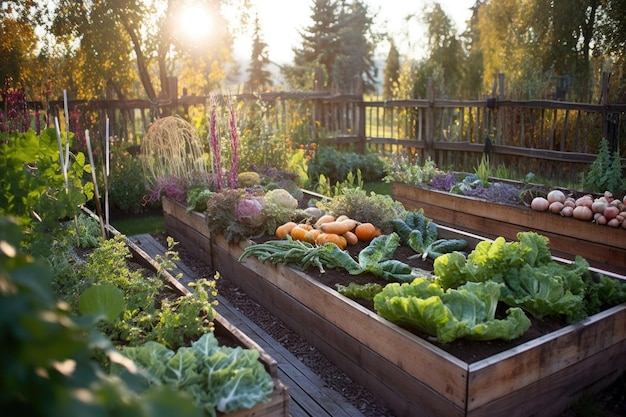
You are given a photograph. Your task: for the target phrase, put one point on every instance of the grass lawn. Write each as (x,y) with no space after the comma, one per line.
(138,224)
(378,187)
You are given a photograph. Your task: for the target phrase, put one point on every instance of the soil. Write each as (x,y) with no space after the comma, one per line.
(609,403)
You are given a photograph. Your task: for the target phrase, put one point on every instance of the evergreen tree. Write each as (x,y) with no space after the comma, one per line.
(340,42)
(391,73)
(260,78)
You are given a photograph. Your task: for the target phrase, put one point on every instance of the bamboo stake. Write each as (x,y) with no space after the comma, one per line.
(95,184)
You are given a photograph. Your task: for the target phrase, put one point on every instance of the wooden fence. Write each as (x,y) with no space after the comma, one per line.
(552,139)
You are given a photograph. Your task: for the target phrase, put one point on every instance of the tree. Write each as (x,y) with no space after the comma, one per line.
(356,48)
(391,73)
(319,46)
(340,42)
(114,33)
(259,78)
(445,48)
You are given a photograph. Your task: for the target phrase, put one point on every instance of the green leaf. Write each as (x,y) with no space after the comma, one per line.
(102,300)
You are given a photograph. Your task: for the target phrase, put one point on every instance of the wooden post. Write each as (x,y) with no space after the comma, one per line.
(430,122)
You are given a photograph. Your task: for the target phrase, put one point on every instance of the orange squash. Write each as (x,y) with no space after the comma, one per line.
(324,219)
(324,238)
(339,227)
(366,232)
(284,229)
(298,232)
(351,238)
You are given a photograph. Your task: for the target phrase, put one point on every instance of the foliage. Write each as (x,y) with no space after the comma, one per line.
(335,165)
(50,360)
(33,180)
(466,312)
(401,168)
(365,291)
(421,234)
(220,379)
(606,172)
(126,183)
(325,188)
(532,279)
(242,214)
(358,205)
(340,42)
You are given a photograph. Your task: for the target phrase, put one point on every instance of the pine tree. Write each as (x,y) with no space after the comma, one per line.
(391,73)
(260,78)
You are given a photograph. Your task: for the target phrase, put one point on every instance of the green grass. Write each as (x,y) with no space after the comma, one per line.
(136,225)
(382,188)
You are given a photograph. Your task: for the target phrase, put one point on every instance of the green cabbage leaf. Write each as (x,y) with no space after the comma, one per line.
(220,379)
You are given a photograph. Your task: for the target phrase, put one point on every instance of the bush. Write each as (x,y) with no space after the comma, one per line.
(126,183)
(336,165)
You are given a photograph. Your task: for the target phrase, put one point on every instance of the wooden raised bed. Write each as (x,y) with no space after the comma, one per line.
(604,247)
(412,376)
(278,406)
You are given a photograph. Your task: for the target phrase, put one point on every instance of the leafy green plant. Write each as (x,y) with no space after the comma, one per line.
(466,312)
(126,183)
(532,279)
(484,171)
(34,181)
(366,208)
(220,379)
(325,187)
(606,172)
(45,364)
(335,165)
(404,170)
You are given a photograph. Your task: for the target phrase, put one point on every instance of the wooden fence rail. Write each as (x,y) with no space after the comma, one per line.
(553,139)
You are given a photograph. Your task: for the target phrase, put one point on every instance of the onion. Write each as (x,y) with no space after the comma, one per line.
(556,195)
(586,200)
(567,211)
(613,223)
(601,219)
(599,206)
(555,207)
(539,204)
(583,213)
(611,212)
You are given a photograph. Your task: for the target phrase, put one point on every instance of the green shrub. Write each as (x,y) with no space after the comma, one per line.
(335,165)
(126,183)
(606,172)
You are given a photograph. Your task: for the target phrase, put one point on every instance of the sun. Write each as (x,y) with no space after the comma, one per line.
(195,21)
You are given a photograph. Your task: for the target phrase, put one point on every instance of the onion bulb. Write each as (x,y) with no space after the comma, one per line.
(539,204)
(556,195)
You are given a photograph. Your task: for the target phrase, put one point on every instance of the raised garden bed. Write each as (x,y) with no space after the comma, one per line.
(604,247)
(228,335)
(414,377)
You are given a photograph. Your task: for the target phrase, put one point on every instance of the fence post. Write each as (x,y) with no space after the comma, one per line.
(430,121)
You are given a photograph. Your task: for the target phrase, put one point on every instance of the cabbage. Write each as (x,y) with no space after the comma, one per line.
(281,198)
(249,211)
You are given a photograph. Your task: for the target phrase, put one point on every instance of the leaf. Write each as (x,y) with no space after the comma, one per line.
(102,300)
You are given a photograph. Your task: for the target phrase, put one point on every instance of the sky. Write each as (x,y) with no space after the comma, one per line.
(282,19)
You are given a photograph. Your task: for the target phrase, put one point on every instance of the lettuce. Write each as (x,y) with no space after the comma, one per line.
(219,378)
(467,312)
(531,279)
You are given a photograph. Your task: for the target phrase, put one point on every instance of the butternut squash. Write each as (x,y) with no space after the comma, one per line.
(324,219)
(284,229)
(324,238)
(339,227)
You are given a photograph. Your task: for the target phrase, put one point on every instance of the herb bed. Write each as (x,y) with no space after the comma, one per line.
(412,375)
